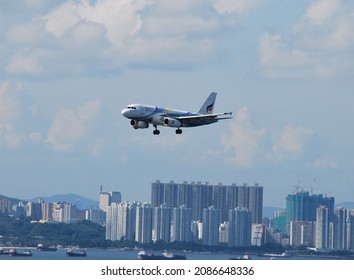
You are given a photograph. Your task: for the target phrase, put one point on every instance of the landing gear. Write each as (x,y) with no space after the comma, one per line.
(156,131)
(179,131)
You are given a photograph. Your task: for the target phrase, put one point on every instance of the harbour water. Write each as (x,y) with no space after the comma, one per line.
(113,254)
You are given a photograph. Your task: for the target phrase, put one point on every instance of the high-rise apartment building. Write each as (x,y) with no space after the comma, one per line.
(220,201)
(69,213)
(181,224)
(301,206)
(255,203)
(302,233)
(258,235)
(211,222)
(200,196)
(143,230)
(126,220)
(47,211)
(107,198)
(340,228)
(350,230)
(322,228)
(112,222)
(34,210)
(161,228)
(121,221)
(157,194)
(240,227)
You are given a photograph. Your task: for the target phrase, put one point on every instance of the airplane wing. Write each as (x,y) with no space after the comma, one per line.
(203,119)
(207,116)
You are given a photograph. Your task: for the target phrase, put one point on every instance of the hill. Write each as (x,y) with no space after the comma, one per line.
(347,205)
(14,201)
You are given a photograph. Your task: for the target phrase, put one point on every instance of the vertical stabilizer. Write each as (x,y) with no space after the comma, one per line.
(208,105)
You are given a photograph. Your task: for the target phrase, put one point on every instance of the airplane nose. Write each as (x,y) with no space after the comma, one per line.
(125,112)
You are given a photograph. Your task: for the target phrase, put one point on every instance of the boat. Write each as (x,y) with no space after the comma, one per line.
(142,255)
(41,247)
(244,257)
(4,252)
(71,253)
(15,253)
(275,255)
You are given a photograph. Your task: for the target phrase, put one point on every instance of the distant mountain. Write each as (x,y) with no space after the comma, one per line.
(14,201)
(79,201)
(348,205)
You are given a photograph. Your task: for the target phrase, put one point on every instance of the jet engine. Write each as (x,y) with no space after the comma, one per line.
(171,122)
(139,124)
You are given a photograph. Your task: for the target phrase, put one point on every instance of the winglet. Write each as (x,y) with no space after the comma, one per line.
(208,106)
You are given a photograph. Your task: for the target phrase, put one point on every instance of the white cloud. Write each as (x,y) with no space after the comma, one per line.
(322,10)
(36,137)
(316,47)
(23,63)
(77,36)
(278,60)
(9,111)
(244,143)
(248,145)
(325,163)
(274,52)
(224,7)
(62,18)
(120,19)
(70,125)
(27,34)
(341,37)
(291,142)
(180,26)
(174,52)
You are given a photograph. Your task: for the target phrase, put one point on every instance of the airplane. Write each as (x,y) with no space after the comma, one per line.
(142,115)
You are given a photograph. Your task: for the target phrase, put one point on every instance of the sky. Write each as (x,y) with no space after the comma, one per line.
(284,68)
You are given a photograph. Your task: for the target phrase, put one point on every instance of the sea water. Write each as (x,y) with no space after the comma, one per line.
(115,254)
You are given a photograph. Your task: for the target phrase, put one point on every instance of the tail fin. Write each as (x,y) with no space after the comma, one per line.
(208,105)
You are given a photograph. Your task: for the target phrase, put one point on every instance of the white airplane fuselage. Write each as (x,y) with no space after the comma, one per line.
(141,115)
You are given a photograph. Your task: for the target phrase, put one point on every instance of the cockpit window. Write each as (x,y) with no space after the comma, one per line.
(131,107)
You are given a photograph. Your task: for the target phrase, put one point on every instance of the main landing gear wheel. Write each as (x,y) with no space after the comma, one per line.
(156,131)
(179,131)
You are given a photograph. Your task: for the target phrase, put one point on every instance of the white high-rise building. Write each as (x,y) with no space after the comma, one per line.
(143,229)
(112,222)
(161,229)
(69,213)
(181,224)
(126,220)
(120,221)
(322,228)
(107,198)
(224,232)
(340,229)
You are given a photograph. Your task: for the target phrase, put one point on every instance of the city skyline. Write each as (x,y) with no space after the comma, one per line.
(206,214)
(96,201)
(69,67)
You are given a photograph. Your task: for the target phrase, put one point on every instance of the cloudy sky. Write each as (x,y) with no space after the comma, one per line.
(68,68)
